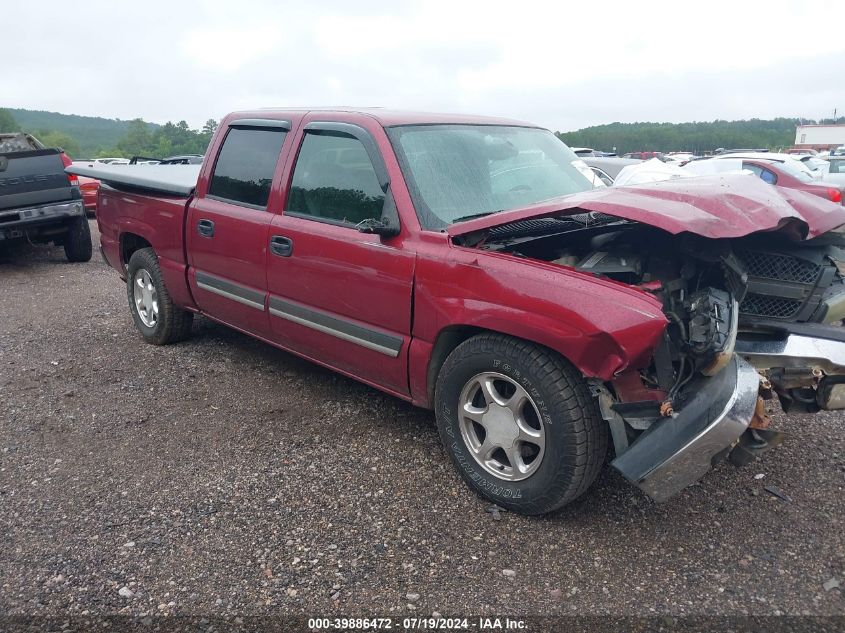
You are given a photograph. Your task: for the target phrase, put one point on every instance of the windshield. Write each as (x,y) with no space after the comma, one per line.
(456,172)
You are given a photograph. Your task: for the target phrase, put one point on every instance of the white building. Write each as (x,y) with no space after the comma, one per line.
(819,137)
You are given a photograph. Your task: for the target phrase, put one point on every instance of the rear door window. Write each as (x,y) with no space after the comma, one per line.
(764,174)
(245,166)
(769,176)
(334,180)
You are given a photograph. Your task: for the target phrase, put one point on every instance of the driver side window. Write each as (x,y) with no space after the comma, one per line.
(334,180)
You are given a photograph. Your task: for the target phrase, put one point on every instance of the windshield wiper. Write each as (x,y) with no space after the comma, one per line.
(473,216)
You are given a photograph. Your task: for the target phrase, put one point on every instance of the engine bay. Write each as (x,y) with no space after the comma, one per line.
(711,289)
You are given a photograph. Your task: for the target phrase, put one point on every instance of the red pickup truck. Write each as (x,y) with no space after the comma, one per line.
(469,265)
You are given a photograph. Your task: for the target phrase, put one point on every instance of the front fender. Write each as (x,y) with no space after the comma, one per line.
(602,327)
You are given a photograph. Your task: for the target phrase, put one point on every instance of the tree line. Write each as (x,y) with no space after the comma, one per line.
(89,137)
(698,136)
(139,139)
(166,140)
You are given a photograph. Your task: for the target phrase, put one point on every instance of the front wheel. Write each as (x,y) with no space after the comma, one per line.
(159,321)
(519,423)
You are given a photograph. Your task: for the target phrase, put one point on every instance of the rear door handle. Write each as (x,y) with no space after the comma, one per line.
(205,228)
(281,246)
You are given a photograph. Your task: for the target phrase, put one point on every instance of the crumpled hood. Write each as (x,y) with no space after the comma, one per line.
(721,206)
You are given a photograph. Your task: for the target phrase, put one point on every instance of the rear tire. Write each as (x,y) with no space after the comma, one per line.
(519,423)
(158,320)
(77,241)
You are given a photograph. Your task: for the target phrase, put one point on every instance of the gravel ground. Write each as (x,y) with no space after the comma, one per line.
(222,476)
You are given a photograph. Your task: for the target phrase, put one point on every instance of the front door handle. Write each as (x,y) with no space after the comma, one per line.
(205,228)
(281,246)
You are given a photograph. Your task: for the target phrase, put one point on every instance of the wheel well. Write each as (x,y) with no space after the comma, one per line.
(129,243)
(447,340)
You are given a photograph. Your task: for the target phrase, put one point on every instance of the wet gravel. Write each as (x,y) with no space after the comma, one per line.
(222,476)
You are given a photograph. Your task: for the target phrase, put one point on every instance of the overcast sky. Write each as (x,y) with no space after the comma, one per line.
(564,65)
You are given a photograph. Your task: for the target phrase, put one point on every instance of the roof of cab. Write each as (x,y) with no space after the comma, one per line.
(387,118)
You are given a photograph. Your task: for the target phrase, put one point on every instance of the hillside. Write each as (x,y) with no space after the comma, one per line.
(91,134)
(695,136)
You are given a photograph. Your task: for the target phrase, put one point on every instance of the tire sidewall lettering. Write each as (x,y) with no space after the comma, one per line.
(525,383)
(489,485)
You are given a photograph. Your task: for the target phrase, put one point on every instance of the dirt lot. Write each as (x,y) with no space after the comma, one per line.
(224,476)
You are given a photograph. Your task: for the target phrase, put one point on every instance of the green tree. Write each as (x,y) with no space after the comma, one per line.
(51,138)
(7,122)
(181,139)
(165,140)
(207,132)
(109,153)
(138,141)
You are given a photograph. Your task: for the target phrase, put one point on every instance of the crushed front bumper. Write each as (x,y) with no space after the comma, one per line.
(677,451)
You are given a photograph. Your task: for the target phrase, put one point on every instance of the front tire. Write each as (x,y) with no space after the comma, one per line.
(77,241)
(519,423)
(158,320)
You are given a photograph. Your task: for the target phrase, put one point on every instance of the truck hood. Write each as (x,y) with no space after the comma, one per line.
(721,206)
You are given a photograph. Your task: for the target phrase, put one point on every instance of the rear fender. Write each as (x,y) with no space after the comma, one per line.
(170,258)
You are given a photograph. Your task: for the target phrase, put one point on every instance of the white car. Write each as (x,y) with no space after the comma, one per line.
(815,163)
(111,161)
(836,172)
(678,158)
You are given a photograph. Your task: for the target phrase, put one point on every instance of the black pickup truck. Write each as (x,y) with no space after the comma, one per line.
(39,202)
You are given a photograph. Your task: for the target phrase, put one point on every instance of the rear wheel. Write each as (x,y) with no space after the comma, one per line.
(77,241)
(519,423)
(158,320)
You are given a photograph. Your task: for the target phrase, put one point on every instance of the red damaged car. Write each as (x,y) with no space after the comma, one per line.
(468,265)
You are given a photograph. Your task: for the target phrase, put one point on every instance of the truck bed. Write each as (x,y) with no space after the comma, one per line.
(178,180)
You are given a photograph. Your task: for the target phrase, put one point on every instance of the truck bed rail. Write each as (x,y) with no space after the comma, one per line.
(177,180)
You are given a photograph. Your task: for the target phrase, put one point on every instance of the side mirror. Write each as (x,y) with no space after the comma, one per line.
(377,227)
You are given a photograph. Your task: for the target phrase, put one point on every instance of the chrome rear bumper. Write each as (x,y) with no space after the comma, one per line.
(676,452)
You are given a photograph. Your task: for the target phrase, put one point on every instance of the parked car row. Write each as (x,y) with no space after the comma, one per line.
(784,170)
(818,164)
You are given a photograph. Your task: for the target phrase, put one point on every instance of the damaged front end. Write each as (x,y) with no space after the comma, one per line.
(678,450)
(750,317)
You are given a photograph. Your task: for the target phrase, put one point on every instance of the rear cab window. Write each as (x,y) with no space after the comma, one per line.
(245,165)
